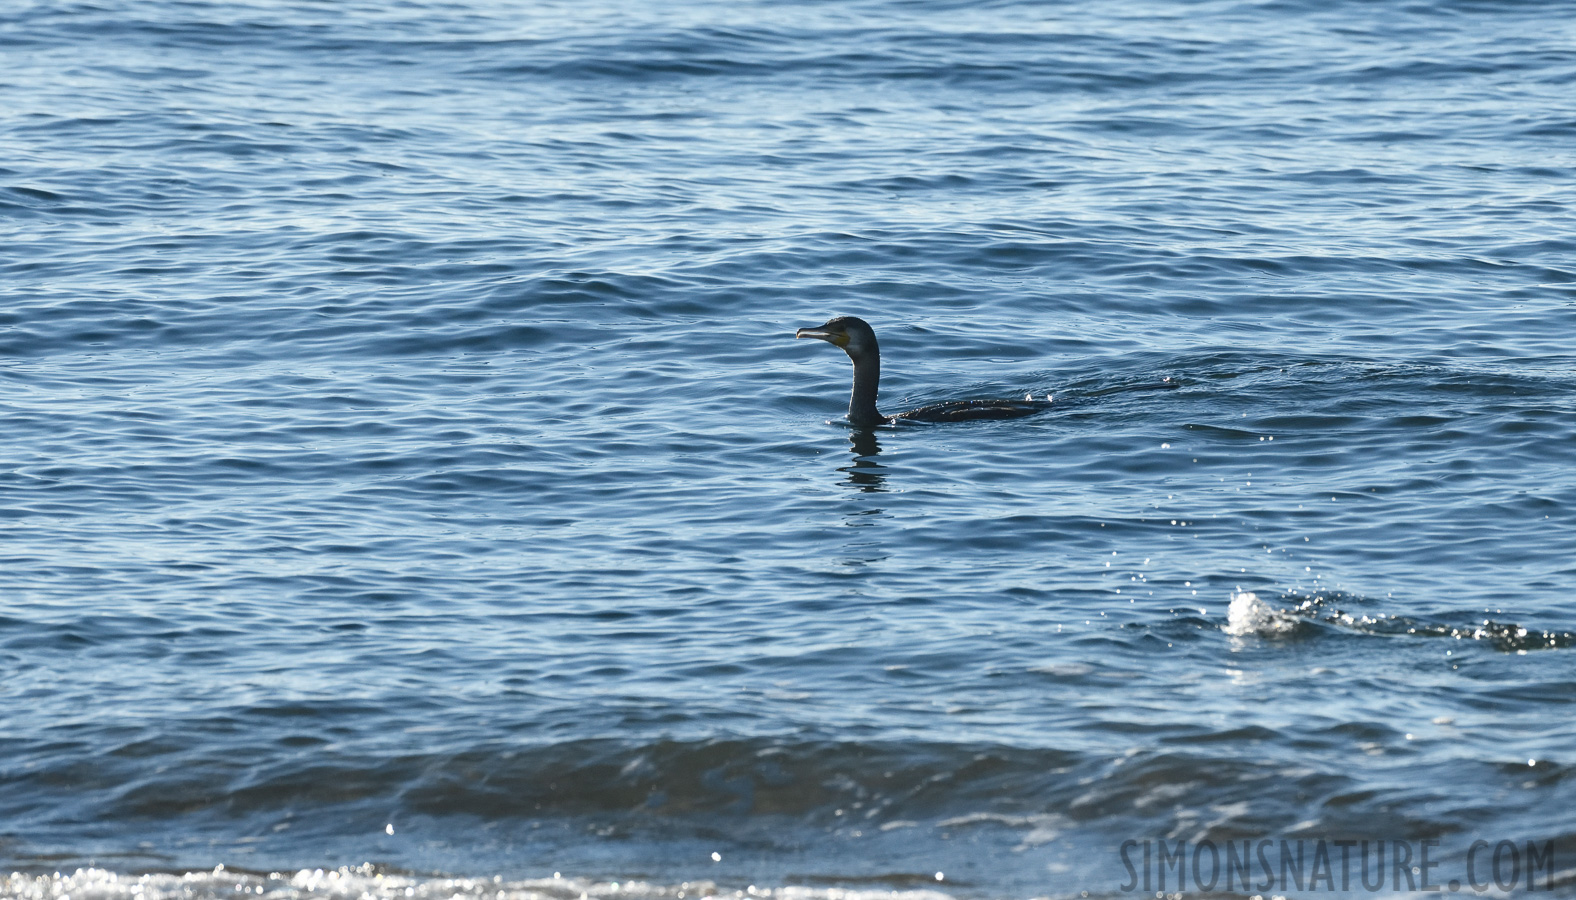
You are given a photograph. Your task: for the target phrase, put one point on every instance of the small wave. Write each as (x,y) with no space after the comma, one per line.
(1250,615)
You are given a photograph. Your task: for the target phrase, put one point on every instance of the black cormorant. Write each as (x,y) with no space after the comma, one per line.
(858,340)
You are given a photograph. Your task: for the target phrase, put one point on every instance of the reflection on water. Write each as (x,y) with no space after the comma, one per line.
(865,473)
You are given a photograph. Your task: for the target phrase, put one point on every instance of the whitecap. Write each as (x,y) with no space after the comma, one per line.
(1250,615)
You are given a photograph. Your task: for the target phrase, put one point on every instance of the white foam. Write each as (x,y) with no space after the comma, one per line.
(366,883)
(1250,615)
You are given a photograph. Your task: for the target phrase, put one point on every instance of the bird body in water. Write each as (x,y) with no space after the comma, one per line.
(858,340)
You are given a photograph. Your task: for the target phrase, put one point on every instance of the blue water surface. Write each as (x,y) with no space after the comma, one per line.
(407,465)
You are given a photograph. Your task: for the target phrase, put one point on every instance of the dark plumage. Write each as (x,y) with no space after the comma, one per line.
(858,340)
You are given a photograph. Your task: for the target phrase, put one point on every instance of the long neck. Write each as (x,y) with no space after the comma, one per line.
(862,403)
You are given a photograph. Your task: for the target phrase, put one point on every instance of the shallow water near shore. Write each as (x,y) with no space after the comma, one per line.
(411,484)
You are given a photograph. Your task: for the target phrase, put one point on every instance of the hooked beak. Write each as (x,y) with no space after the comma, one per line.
(833,337)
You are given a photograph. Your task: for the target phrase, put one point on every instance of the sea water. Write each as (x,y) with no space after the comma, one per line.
(410,485)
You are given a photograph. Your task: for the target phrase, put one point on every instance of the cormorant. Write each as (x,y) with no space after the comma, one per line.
(858,340)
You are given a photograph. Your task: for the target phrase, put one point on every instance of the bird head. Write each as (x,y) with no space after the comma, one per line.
(853,334)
